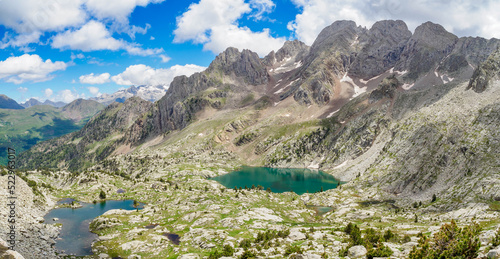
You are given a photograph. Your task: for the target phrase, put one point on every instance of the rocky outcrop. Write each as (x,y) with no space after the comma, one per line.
(245,64)
(295,50)
(386,89)
(329,58)
(485,73)
(425,49)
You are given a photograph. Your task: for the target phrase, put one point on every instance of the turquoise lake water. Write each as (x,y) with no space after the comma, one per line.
(280,180)
(76,239)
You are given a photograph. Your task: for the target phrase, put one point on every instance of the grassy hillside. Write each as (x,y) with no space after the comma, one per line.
(21,129)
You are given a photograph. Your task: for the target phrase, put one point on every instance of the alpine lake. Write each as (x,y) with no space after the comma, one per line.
(75,237)
(279,180)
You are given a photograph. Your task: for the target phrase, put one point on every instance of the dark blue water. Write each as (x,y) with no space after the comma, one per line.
(75,236)
(279,179)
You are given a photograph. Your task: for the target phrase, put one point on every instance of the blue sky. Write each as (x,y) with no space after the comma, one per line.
(67,49)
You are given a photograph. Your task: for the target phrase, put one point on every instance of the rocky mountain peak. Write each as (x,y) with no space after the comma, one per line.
(295,50)
(489,70)
(291,49)
(336,35)
(8,103)
(396,29)
(381,48)
(434,35)
(245,64)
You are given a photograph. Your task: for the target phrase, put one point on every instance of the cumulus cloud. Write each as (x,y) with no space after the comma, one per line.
(48,92)
(67,96)
(242,38)
(95,79)
(30,19)
(116,9)
(26,16)
(145,75)
(27,67)
(214,24)
(95,36)
(94,91)
(91,36)
(468,18)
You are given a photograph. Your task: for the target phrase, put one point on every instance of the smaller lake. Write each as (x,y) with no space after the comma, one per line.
(299,180)
(75,236)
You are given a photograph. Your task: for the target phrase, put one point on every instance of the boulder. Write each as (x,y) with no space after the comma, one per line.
(357,252)
(305,256)
(3,246)
(10,254)
(189,256)
(296,235)
(493,254)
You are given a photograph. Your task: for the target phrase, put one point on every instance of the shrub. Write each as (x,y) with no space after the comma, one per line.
(102,195)
(247,254)
(292,249)
(496,238)
(450,242)
(245,243)
(434,198)
(388,235)
(381,251)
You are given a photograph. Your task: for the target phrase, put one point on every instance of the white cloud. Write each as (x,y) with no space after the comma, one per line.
(28,68)
(91,36)
(468,18)
(118,10)
(67,96)
(164,58)
(95,36)
(22,89)
(95,79)
(214,23)
(135,49)
(94,91)
(262,7)
(31,19)
(48,92)
(77,56)
(145,75)
(242,38)
(26,16)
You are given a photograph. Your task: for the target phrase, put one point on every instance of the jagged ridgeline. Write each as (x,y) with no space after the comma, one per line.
(383,104)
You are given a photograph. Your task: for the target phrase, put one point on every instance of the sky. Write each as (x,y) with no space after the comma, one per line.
(67,49)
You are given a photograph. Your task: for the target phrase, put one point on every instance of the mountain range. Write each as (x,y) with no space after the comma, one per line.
(407,121)
(33,102)
(146,92)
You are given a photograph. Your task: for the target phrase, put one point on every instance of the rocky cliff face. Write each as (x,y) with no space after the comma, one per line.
(381,49)
(485,73)
(231,71)
(295,50)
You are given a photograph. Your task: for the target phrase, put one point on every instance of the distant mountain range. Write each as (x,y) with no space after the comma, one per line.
(32,102)
(146,92)
(22,128)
